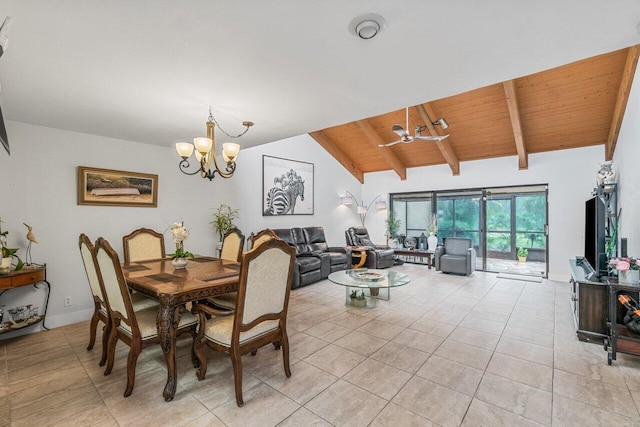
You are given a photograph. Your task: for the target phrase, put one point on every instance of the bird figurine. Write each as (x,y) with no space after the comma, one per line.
(30,236)
(32,239)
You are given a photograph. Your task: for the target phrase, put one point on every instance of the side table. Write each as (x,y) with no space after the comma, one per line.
(29,275)
(358,255)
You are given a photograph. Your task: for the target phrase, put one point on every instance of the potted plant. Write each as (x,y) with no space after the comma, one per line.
(223,220)
(522,254)
(8,253)
(393,226)
(357,298)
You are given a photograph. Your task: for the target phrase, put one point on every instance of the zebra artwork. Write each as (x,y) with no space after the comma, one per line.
(281,198)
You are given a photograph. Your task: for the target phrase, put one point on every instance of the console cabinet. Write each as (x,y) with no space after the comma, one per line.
(589,303)
(30,275)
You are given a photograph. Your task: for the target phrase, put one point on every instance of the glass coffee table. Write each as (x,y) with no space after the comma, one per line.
(367,283)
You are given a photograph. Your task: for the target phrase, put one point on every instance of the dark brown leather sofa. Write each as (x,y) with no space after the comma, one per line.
(315,259)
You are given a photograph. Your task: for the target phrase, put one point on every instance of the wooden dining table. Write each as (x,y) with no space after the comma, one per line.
(203,277)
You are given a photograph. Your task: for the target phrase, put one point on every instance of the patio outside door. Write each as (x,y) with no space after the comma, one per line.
(516,218)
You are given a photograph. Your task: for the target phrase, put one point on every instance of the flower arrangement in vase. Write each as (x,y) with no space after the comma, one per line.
(628,269)
(180,234)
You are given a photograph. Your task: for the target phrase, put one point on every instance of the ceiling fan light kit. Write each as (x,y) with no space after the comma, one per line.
(367,26)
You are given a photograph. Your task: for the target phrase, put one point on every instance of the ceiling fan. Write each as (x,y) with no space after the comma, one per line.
(406,138)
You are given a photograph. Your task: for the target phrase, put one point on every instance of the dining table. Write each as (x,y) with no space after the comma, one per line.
(203,277)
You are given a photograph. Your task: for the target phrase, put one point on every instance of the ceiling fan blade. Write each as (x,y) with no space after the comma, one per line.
(432,138)
(390,143)
(399,130)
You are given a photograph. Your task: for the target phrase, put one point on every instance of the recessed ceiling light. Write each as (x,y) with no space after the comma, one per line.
(367,26)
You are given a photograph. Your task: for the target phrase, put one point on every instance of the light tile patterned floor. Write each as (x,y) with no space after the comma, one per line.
(445,350)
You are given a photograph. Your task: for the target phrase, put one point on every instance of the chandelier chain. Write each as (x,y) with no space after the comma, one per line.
(215,122)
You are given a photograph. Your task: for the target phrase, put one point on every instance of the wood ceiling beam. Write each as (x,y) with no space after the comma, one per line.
(375,140)
(516,124)
(621,101)
(426,111)
(338,154)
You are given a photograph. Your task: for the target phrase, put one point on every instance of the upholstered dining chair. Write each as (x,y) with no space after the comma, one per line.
(100,312)
(260,237)
(100,307)
(232,245)
(228,301)
(261,315)
(143,244)
(137,329)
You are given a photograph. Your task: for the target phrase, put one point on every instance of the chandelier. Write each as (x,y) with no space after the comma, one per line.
(205,150)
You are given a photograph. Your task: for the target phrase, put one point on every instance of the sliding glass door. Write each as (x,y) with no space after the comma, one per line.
(499,221)
(516,225)
(459,215)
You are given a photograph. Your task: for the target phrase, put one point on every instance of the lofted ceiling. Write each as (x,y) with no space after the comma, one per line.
(147,71)
(576,105)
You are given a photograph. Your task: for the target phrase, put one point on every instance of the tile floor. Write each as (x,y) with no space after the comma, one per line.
(445,350)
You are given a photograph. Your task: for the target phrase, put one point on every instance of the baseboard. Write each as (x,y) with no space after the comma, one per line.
(68,319)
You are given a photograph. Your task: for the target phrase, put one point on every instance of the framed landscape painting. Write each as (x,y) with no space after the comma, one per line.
(287,187)
(107,187)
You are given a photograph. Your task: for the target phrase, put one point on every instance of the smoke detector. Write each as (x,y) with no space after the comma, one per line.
(367,26)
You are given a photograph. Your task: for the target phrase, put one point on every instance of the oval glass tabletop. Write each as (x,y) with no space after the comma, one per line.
(369,278)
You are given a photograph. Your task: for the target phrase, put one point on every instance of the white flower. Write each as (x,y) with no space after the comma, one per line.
(179,232)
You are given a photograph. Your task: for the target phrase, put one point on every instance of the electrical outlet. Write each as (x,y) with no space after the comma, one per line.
(67,301)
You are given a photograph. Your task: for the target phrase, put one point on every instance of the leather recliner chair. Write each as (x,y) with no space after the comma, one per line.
(379,256)
(456,255)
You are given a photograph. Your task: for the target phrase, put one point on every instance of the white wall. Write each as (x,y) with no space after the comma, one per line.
(626,162)
(331,181)
(569,173)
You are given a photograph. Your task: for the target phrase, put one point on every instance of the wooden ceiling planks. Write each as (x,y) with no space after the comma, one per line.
(576,105)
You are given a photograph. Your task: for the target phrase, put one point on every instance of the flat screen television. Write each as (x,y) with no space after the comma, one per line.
(594,235)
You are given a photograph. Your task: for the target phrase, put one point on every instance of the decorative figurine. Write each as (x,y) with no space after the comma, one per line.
(32,239)
(606,175)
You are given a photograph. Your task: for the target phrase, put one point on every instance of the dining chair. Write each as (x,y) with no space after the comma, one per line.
(100,307)
(137,329)
(260,237)
(260,317)
(100,312)
(232,245)
(143,244)
(228,301)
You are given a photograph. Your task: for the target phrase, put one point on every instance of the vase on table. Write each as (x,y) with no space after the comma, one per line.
(629,276)
(179,262)
(432,242)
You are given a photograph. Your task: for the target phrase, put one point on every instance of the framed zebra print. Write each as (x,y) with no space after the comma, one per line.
(287,187)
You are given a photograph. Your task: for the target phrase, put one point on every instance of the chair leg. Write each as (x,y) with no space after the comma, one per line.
(132,359)
(111,349)
(93,326)
(236,361)
(106,330)
(198,350)
(285,353)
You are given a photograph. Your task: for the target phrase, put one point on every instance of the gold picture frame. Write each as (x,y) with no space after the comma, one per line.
(108,187)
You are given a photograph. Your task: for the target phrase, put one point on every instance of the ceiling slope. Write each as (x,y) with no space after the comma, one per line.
(576,105)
